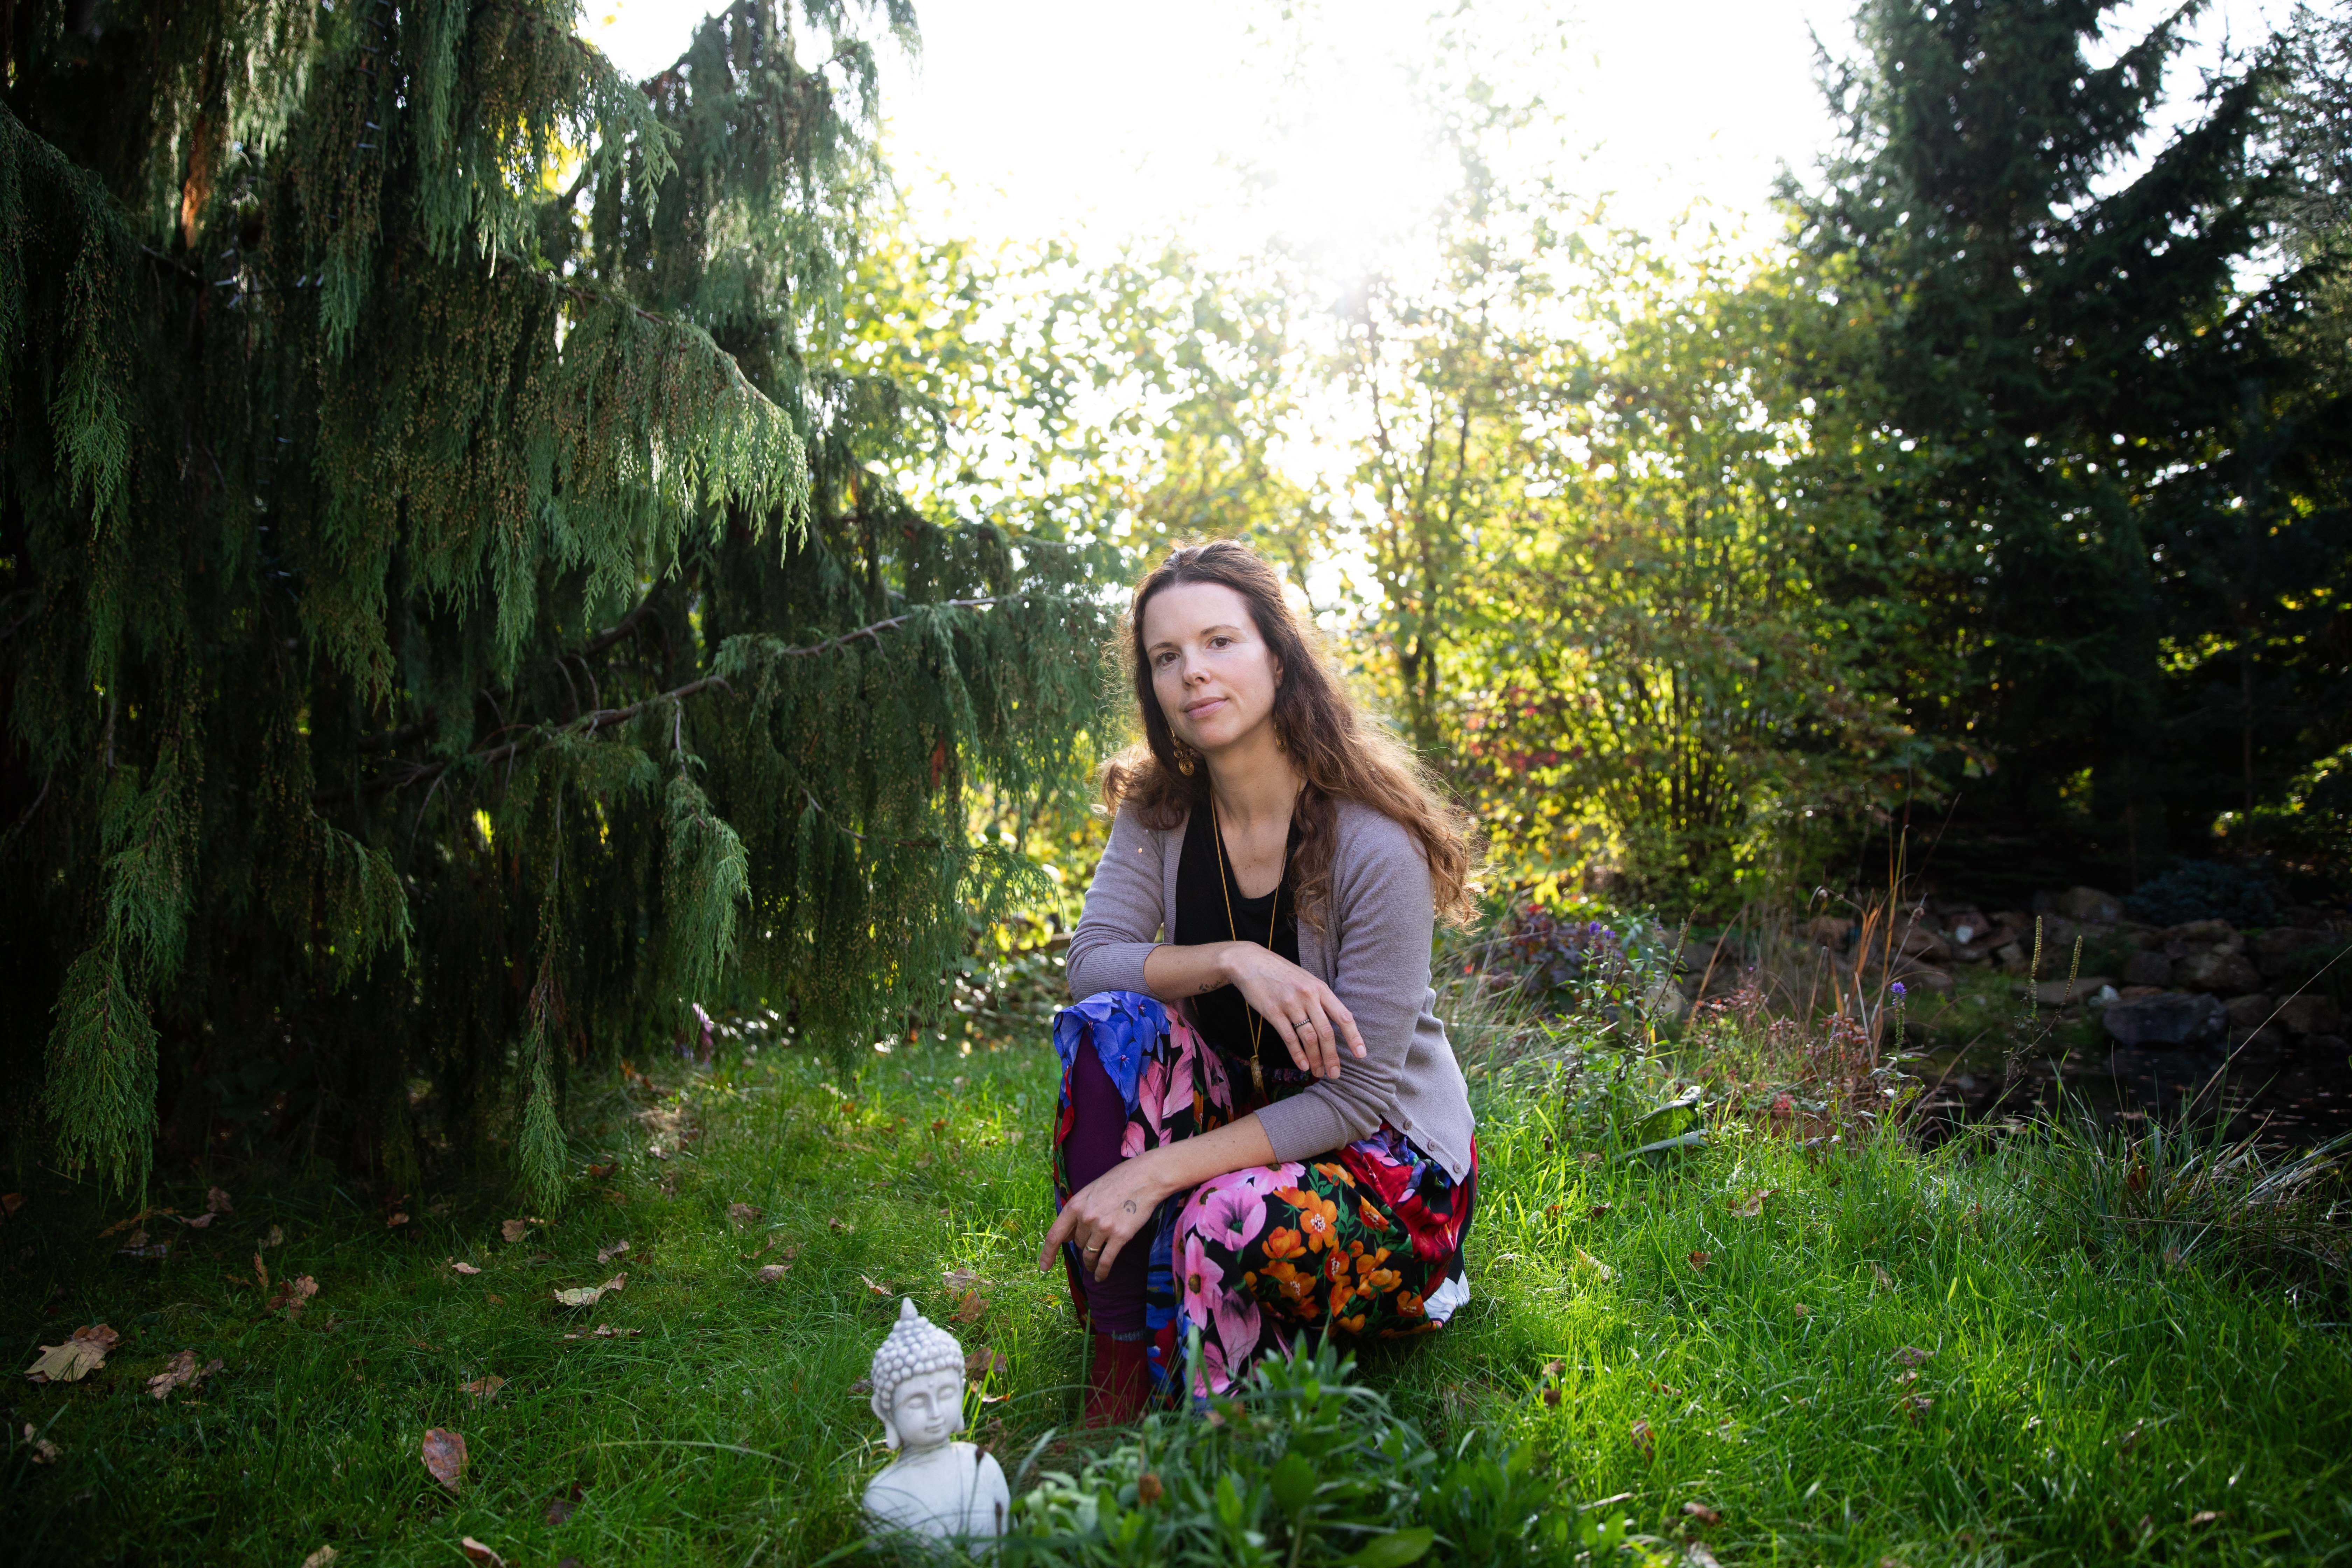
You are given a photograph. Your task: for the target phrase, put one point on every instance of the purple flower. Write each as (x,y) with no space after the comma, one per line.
(1897,989)
(1592,930)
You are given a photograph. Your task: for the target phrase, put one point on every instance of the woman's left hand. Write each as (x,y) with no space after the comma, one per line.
(1102,1215)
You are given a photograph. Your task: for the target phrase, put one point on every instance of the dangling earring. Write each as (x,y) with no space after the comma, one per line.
(1184,759)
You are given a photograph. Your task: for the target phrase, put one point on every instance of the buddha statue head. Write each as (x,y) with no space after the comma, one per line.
(918,1383)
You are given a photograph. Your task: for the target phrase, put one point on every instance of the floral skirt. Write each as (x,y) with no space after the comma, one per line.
(1362,1242)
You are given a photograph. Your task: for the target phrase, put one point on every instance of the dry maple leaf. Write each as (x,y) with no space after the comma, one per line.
(1699,1260)
(483,1388)
(1644,1440)
(606,1254)
(770,1273)
(972,1309)
(76,1359)
(1911,1355)
(294,1295)
(514,1230)
(180,1371)
(444,1455)
(744,1214)
(477,1552)
(463,1267)
(1703,1514)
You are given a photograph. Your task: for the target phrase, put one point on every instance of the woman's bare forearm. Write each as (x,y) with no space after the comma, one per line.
(1171,973)
(1189,1162)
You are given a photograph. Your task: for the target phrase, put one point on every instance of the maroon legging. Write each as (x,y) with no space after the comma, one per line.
(1097,1125)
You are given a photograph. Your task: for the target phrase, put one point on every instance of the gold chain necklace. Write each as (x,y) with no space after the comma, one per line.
(1226,886)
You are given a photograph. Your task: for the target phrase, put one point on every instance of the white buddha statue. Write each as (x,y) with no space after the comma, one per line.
(936,1487)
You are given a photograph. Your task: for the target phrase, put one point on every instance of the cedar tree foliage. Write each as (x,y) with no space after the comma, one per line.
(454,614)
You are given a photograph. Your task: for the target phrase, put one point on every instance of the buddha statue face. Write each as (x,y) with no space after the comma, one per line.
(924,1410)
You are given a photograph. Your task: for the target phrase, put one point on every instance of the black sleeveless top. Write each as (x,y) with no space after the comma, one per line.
(1221,1016)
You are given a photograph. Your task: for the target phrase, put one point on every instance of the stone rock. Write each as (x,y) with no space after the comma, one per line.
(2310,1014)
(2324,1045)
(2090,904)
(2173,1019)
(2148,967)
(2011,957)
(2248,1012)
(1921,943)
(2134,993)
(1935,981)
(1830,930)
(2201,934)
(2217,970)
(2062,992)
(1967,926)
(2276,951)
(1666,1000)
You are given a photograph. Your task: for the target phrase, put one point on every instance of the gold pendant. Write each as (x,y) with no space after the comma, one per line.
(1257,1076)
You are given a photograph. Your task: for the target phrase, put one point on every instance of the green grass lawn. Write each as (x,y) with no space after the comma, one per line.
(1900,1356)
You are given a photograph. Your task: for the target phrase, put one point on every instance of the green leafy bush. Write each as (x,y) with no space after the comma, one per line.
(1305,1465)
(2205,890)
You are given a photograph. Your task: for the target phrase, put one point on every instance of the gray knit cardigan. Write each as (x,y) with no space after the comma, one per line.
(1373,952)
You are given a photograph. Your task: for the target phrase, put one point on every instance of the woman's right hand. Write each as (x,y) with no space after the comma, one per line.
(1311,1020)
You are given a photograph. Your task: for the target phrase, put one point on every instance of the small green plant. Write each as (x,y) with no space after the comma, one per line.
(1307,1465)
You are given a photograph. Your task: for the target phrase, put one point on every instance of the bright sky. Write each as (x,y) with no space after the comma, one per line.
(1224,118)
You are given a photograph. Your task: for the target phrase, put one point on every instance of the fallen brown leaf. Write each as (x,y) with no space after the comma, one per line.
(1644,1440)
(842,1225)
(514,1230)
(1589,1158)
(483,1388)
(959,1279)
(80,1355)
(2204,1516)
(861,1385)
(744,1214)
(589,1295)
(972,1309)
(274,1237)
(1802,1310)
(1882,1276)
(44,1451)
(1587,1260)
(770,1273)
(463,1267)
(1597,1210)
(1697,1555)
(294,1295)
(1552,1395)
(1149,1488)
(393,1220)
(884,1289)
(560,1511)
(444,1455)
(1703,1514)
(122,1224)
(202,1220)
(1912,1355)
(1750,1206)
(601,1169)
(1554,1368)
(9,1204)
(494,1298)
(477,1552)
(983,1362)
(217,1201)
(179,1372)
(606,1254)
(1915,1405)
(321,1558)
(1699,1260)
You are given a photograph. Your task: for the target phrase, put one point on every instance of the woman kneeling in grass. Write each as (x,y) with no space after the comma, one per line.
(1262,1127)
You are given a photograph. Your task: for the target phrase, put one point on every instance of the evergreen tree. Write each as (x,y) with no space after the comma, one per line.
(2097,520)
(455,614)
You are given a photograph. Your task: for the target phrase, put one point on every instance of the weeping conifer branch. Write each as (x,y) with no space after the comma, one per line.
(342,411)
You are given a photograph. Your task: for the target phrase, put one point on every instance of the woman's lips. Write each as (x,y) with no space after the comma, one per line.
(1202,710)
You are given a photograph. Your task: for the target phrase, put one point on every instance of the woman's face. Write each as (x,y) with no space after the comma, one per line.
(1213,675)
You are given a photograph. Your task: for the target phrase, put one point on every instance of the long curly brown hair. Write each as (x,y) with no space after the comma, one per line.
(1338,755)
